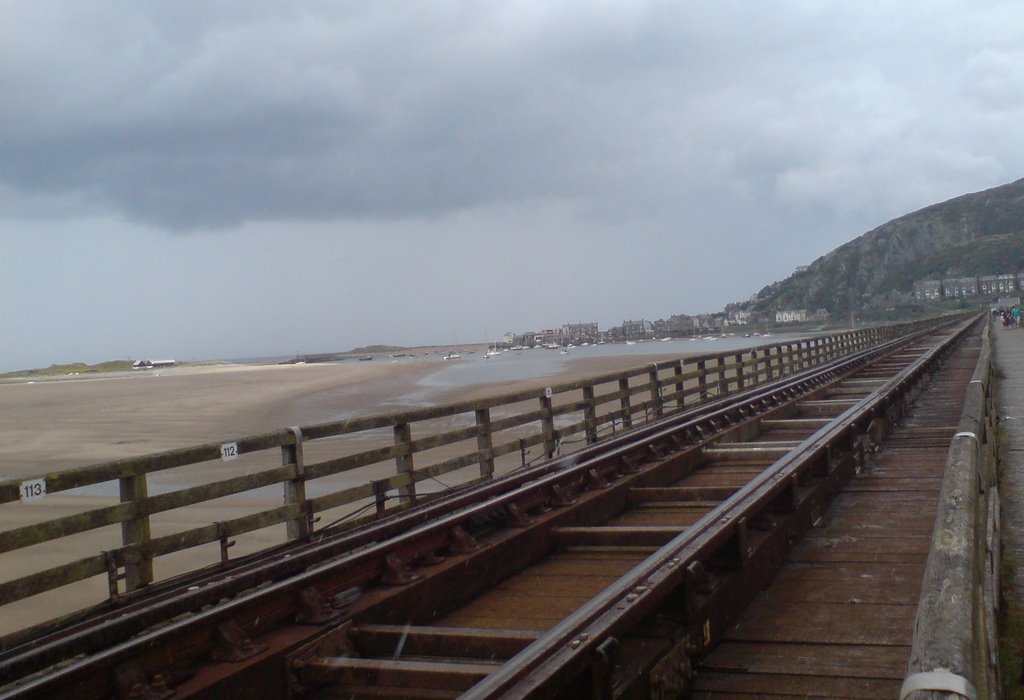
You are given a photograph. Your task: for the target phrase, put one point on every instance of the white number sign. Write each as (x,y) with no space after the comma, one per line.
(229,451)
(32,490)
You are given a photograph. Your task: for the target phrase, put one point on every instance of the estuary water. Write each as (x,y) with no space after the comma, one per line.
(516,365)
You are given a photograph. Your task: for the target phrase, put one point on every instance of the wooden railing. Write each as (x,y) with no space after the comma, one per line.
(336,472)
(954,650)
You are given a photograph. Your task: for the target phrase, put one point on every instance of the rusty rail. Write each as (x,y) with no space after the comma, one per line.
(578,646)
(667,387)
(954,648)
(368,563)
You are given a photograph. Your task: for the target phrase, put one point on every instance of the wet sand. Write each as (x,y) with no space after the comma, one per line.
(52,425)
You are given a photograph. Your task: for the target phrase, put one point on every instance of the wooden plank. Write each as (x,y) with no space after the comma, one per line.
(845,660)
(861,583)
(779,687)
(614,536)
(680,493)
(662,517)
(206,534)
(38,533)
(395,672)
(39,582)
(216,489)
(458,642)
(828,623)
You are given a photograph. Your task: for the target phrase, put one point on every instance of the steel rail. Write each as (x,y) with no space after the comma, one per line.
(547,665)
(193,594)
(301,568)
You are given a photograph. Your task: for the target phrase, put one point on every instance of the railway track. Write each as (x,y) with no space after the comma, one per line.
(602,574)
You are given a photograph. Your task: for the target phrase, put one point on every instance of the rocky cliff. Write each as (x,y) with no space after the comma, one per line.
(974,234)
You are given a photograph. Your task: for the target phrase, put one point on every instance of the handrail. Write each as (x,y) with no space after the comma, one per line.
(541,669)
(670,386)
(954,646)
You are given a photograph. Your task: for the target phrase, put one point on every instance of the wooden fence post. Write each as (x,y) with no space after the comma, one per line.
(624,403)
(677,372)
(655,391)
(403,462)
(702,378)
(300,527)
(590,414)
(136,531)
(484,442)
(547,424)
(739,370)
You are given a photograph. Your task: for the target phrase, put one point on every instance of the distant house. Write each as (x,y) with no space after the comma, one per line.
(1006,283)
(792,315)
(739,318)
(960,287)
(988,285)
(680,324)
(152,364)
(581,332)
(634,330)
(928,290)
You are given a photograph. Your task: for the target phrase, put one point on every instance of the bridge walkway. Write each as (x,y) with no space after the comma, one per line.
(1009,357)
(838,620)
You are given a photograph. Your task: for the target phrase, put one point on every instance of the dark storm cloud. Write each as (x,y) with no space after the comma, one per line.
(190,115)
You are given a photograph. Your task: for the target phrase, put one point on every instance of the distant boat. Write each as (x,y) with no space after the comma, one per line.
(365,358)
(630,342)
(564,351)
(452,356)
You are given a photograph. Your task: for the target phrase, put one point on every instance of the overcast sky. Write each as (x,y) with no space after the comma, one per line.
(220,180)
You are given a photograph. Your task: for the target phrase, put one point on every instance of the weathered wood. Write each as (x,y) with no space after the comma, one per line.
(624,403)
(295,488)
(484,443)
(548,427)
(655,386)
(403,460)
(689,379)
(611,536)
(26,586)
(590,414)
(136,531)
(952,629)
(38,533)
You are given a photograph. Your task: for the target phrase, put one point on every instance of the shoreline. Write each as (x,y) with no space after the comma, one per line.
(54,425)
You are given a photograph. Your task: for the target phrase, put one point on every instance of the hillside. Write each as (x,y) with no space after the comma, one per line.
(978,233)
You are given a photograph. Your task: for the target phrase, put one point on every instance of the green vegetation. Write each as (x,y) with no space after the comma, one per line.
(73,368)
(976,234)
(366,349)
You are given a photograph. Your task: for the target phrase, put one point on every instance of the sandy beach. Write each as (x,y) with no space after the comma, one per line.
(52,425)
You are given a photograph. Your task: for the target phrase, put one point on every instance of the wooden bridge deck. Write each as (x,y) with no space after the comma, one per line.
(839,618)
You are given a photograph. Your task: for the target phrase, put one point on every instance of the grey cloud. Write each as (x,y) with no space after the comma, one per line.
(190,116)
